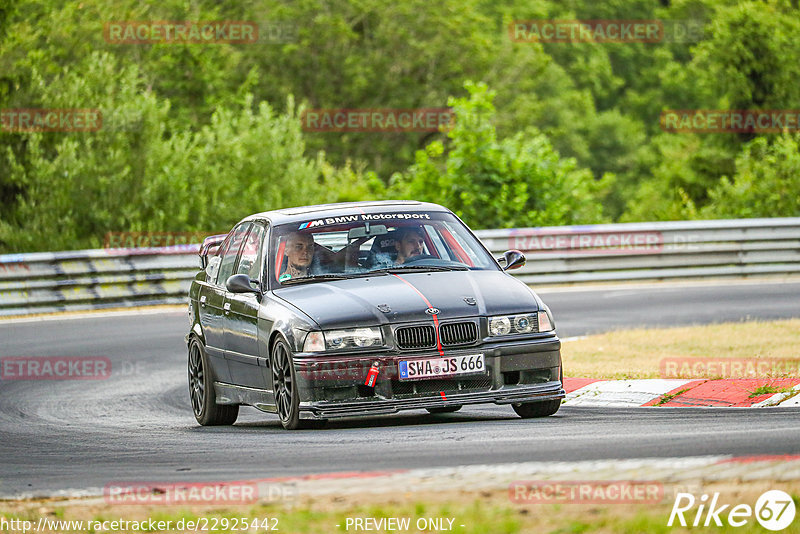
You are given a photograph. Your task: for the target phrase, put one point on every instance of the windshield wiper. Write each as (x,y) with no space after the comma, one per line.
(363,274)
(315,278)
(329,277)
(422,268)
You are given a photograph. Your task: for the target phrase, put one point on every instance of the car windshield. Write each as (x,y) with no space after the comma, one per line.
(370,243)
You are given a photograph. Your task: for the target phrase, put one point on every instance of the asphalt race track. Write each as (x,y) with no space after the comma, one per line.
(137,425)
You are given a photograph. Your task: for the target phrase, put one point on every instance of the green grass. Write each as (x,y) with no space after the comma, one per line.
(479,513)
(639,352)
(768,390)
(666,397)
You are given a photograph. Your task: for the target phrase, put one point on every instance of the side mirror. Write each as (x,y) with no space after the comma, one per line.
(240,283)
(514,259)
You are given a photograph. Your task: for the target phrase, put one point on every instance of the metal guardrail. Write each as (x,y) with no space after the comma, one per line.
(92,279)
(653,251)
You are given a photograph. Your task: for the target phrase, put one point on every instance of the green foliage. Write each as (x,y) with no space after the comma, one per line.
(196,136)
(766,183)
(498,183)
(752,56)
(373,54)
(144,171)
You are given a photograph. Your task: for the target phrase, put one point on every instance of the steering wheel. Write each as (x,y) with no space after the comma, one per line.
(419,257)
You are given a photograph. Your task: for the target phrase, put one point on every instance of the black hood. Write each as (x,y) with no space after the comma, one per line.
(356,301)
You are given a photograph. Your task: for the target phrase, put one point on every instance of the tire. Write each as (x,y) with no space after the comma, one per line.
(284,384)
(444,409)
(201,391)
(528,410)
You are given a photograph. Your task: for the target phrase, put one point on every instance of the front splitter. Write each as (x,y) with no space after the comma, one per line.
(381,406)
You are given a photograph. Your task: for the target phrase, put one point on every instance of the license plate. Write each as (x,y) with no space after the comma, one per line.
(443,366)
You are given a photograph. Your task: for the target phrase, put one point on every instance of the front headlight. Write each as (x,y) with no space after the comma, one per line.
(528,323)
(353,338)
(499,326)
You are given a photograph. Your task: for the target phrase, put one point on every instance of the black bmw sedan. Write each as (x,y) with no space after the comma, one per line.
(364,308)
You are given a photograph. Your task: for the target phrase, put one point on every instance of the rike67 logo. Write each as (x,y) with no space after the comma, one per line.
(774,510)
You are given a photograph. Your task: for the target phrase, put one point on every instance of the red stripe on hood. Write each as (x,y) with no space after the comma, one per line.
(435,318)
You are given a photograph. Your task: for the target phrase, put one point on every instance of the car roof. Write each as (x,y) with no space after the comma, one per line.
(304,213)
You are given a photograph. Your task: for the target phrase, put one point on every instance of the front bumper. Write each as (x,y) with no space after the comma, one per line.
(516,372)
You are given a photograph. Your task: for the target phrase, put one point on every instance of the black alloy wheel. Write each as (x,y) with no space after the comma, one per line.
(201,391)
(284,385)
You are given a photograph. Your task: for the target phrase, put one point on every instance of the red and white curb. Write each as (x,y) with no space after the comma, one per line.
(739,393)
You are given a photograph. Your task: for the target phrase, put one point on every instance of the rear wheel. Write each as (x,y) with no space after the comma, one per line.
(201,390)
(528,410)
(444,409)
(284,384)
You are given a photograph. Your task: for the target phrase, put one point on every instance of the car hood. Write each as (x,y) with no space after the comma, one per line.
(401,298)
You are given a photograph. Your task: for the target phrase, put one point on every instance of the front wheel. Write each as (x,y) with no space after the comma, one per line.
(528,410)
(284,385)
(201,391)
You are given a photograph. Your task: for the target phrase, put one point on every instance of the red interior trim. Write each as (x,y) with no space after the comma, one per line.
(279,259)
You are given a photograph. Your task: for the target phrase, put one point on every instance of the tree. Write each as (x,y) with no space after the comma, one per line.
(493,183)
(766,183)
(144,171)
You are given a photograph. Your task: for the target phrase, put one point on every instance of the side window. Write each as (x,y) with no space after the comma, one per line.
(229,252)
(441,249)
(459,248)
(212,269)
(250,258)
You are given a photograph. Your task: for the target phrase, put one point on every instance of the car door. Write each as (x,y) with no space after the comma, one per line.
(241,315)
(211,316)
(212,301)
